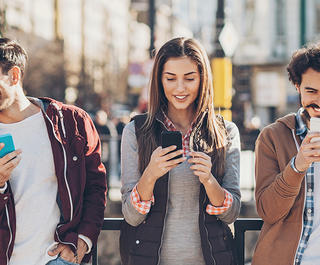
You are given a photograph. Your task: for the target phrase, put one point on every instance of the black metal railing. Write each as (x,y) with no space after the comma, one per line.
(240,227)
(109,224)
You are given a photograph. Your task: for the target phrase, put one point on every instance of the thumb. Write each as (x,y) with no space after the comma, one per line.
(56,250)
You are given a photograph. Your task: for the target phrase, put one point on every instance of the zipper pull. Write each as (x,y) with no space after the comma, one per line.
(62,123)
(61,119)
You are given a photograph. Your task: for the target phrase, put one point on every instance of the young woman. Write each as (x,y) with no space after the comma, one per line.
(177,209)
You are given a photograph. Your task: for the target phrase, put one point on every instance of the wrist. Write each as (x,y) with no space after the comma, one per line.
(82,245)
(296,168)
(210,181)
(149,177)
(3,187)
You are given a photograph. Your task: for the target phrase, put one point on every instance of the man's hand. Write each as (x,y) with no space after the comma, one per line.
(82,249)
(7,164)
(67,254)
(309,152)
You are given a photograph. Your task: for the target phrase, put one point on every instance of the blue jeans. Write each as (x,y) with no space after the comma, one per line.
(60,261)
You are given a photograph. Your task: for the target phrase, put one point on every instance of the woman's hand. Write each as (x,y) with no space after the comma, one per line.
(159,165)
(160,162)
(201,166)
(7,164)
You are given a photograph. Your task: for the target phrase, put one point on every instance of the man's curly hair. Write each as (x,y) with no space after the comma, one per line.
(301,60)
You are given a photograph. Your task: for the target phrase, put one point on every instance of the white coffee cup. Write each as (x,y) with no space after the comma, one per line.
(315,127)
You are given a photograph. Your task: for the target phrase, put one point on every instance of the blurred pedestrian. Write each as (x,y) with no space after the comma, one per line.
(120,123)
(177,211)
(101,123)
(52,188)
(109,138)
(288,173)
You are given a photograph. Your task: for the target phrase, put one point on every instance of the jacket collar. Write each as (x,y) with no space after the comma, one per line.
(160,116)
(295,121)
(301,125)
(289,121)
(43,103)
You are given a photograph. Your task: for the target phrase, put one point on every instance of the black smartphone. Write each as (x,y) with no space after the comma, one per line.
(172,138)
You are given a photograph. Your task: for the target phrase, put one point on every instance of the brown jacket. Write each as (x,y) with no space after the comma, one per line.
(279,204)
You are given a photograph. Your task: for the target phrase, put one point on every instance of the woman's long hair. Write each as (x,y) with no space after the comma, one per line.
(175,48)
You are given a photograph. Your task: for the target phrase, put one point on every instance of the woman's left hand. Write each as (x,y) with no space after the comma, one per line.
(201,166)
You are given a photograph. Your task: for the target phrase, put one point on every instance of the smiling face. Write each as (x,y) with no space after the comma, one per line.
(181,80)
(309,90)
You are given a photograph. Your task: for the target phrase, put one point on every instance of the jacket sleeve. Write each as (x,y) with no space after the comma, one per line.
(94,197)
(231,179)
(274,196)
(130,174)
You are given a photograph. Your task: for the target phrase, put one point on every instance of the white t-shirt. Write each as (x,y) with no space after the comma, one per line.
(34,186)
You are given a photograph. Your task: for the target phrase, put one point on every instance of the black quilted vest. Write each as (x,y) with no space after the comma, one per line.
(141,245)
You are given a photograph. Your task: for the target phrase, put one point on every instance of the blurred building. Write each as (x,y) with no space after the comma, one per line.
(95,52)
(269,32)
(96,39)
(32,24)
(78,49)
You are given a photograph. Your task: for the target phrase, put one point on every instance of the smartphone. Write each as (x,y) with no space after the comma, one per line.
(315,127)
(8,144)
(172,138)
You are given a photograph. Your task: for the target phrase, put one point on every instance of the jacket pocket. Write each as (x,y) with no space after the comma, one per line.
(76,151)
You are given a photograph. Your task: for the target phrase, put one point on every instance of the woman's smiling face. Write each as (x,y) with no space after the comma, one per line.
(181,81)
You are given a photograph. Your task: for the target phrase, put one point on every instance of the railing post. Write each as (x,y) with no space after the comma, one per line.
(239,240)
(94,256)
(241,225)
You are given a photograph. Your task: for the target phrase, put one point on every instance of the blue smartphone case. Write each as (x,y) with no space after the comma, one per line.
(8,144)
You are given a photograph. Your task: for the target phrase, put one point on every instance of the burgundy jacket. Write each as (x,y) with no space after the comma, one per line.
(81,179)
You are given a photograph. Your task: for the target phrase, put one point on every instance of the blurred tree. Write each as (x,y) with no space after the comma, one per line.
(45,74)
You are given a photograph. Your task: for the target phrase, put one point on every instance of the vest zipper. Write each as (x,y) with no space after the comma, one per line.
(164,222)
(204,224)
(10,241)
(165,216)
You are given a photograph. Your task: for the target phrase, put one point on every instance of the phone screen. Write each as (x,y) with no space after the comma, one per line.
(8,144)
(172,138)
